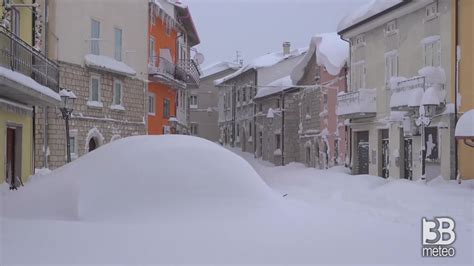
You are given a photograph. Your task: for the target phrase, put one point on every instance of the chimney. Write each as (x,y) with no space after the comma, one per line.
(286,48)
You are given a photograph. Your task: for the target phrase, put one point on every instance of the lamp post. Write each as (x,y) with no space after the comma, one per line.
(67,106)
(424,120)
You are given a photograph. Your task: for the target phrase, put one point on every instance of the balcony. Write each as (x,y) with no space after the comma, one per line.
(407,94)
(357,104)
(27,75)
(181,75)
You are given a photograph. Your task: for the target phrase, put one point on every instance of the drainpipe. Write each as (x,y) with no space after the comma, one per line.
(348,138)
(456,86)
(282,107)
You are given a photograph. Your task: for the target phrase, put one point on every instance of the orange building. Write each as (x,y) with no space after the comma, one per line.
(171,72)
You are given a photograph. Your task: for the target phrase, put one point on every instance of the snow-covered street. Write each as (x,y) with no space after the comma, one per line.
(80,214)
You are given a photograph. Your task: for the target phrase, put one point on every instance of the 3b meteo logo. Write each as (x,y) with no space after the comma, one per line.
(438,235)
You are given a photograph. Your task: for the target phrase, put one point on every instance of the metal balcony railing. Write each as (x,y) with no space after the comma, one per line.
(361,103)
(407,93)
(21,57)
(185,70)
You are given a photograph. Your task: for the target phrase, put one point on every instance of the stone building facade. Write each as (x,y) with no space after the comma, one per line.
(90,126)
(276,122)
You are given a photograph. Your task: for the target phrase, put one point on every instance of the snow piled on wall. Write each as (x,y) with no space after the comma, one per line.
(267,60)
(331,52)
(218,67)
(110,64)
(276,86)
(366,11)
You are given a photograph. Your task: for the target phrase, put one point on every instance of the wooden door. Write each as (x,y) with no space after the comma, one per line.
(10,160)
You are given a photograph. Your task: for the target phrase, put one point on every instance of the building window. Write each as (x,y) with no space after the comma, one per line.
(244,94)
(238,96)
(94,94)
(168,25)
(278,103)
(250,129)
(260,107)
(391,27)
(359,41)
(151,51)
(95,37)
(391,65)
(166,108)
(151,103)
(118,44)
(358,75)
(73,143)
(432,10)
(193,101)
(117,92)
(432,53)
(194,129)
(278,141)
(325,101)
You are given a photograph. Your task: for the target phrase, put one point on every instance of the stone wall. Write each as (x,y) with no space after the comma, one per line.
(103,124)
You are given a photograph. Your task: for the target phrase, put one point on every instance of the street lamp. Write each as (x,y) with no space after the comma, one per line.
(67,106)
(428,106)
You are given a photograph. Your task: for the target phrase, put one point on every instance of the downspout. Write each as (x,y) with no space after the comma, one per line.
(45,108)
(348,138)
(456,87)
(282,127)
(254,117)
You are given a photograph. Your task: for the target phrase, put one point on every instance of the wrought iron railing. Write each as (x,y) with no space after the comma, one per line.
(185,70)
(21,57)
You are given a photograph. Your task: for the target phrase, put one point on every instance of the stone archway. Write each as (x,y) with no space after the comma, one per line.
(94,140)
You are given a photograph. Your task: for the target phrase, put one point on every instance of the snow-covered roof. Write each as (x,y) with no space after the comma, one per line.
(267,60)
(366,11)
(218,67)
(276,86)
(29,82)
(331,52)
(465,125)
(109,64)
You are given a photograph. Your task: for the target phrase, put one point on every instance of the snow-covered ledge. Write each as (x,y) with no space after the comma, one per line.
(117,107)
(95,104)
(106,63)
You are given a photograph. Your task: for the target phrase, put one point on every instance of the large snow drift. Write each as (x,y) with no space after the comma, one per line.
(331,53)
(141,176)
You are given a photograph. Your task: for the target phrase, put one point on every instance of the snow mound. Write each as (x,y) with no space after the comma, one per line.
(142,176)
(109,64)
(465,125)
(276,86)
(331,52)
(366,11)
(433,75)
(267,60)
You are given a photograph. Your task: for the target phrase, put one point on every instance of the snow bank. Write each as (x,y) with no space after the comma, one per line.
(366,11)
(217,67)
(465,125)
(109,64)
(331,52)
(28,82)
(141,176)
(276,86)
(267,60)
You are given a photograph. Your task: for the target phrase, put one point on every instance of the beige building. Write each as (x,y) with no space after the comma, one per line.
(400,60)
(102,54)
(204,101)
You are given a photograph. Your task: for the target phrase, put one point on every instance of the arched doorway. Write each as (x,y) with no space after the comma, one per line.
(92,144)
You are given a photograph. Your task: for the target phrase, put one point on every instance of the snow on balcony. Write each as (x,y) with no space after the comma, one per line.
(406,93)
(357,104)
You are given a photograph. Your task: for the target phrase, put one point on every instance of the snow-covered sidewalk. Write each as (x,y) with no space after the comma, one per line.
(389,211)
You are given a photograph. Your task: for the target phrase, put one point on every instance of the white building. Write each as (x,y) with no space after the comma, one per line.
(400,60)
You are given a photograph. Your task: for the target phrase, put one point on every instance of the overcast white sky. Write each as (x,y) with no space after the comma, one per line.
(256,27)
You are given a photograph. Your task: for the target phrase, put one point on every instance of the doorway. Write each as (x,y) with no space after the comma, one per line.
(13,157)
(362,152)
(408,159)
(92,144)
(385,153)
